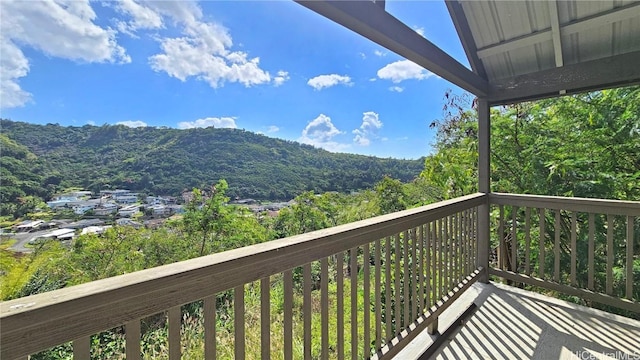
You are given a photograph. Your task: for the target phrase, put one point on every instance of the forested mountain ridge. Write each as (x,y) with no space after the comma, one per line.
(169,161)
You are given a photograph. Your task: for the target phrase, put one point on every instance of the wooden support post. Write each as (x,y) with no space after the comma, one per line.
(484,185)
(432,328)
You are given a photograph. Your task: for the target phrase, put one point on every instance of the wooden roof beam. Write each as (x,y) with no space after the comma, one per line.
(464,33)
(371,21)
(614,71)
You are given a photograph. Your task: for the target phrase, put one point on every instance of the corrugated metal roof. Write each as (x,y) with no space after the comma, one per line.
(516,37)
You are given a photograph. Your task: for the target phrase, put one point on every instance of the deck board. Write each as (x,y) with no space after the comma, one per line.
(511,323)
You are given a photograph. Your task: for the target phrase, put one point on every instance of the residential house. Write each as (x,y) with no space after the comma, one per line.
(28,225)
(81,224)
(106,208)
(175,209)
(81,207)
(95,230)
(158,210)
(128,222)
(129,211)
(130,198)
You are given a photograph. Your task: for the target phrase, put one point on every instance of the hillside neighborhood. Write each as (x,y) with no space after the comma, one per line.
(120,207)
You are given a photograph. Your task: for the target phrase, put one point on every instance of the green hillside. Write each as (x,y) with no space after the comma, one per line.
(168,161)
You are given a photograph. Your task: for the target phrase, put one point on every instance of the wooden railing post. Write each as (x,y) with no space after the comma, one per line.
(484,185)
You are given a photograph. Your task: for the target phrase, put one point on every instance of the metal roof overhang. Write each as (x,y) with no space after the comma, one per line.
(499,50)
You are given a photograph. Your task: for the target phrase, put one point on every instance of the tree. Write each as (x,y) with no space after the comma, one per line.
(391,196)
(206,215)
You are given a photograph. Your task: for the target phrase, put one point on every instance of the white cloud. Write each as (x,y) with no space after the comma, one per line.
(142,17)
(319,132)
(398,89)
(380,53)
(91,122)
(203,51)
(280,78)
(325,81)
(368,129)
(362,55)
(132,124)
(65,29)
(222,122)
(403,70)
(14,66)
(419,30)
(272,129)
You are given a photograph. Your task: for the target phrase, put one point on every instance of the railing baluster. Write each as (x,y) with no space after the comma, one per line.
(629,293)
(354,303)
(592,229)
(82,348)
(406,283)
(340,304)
(306,309)
(427,275)
(378,299)
(438,267)
(288,314)
(420,299)
(460,254)
(414,276)
(440,257)
(467,241)
(132,339)
(542,237)
(452,251)
(265,318)
(367,298)
(238,322)
(556,248)
(324,307)
(175,322)
(475,238)
(387,290)
(610,254)
(500,253)
(457,254)
(514,239)
(445,265)
(527,240)
(397,303)
(574,246)
(209,328)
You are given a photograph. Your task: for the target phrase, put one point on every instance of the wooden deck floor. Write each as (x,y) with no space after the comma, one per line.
(510,323)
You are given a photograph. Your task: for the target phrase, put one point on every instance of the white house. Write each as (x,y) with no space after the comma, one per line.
(126,198)
(81,207)
(106,208)
(129,211)
(158,210)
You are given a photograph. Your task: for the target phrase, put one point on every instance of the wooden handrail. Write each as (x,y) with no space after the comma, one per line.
(40,321)
(600,206)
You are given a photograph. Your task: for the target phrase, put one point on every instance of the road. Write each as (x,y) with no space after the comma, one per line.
(23,238)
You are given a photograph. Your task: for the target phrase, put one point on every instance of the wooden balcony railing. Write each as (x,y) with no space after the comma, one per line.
(580,247)
(390,277)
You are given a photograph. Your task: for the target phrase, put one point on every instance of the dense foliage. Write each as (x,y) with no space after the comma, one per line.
(165,161)
(585,145)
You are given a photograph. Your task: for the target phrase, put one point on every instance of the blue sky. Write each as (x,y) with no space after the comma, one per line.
(273,67)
